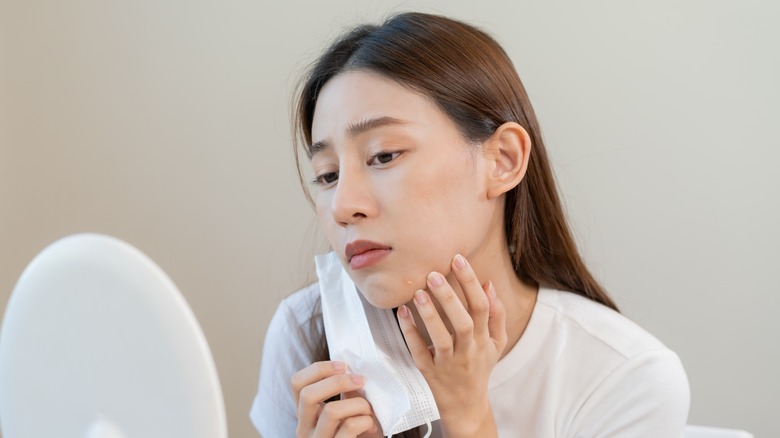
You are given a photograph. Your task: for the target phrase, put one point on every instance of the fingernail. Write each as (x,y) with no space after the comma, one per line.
(357,379)
(403,311)
(460,262)
(339,366)
(492,290)
(436,279)
(420,297)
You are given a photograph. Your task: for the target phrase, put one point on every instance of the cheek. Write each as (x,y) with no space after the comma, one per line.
(439,210)
(320,208)
(325,217)
(444,198)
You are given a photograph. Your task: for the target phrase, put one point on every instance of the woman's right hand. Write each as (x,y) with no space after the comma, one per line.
(349,417)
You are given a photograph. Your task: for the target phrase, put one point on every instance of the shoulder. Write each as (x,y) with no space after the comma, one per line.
(295,327)
(296,323)
(302,304)
(597,323)
(629,368)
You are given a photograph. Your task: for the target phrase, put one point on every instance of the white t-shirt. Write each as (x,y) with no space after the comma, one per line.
(580,370)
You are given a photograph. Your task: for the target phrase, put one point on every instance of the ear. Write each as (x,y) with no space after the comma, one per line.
(506,153)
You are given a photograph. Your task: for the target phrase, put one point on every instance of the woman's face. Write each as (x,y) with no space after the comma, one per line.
(400,192)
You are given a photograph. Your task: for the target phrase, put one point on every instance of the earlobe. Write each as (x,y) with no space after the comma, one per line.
(507,152)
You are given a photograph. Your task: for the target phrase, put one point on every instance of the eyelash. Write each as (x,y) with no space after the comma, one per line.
(320,179)
(374,157)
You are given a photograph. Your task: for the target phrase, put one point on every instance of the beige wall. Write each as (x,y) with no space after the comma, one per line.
(165,124)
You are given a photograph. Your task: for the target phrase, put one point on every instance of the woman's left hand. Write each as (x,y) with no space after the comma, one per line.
(458,365)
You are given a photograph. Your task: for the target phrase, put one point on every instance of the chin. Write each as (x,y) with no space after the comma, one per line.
(385,302)
(387,297)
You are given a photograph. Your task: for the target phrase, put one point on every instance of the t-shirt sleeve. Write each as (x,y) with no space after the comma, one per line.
(647,395)
(287,350)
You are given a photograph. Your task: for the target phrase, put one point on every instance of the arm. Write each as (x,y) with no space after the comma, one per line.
(284,352)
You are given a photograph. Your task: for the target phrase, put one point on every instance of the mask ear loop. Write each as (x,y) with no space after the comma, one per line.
(427,434)
(430,430)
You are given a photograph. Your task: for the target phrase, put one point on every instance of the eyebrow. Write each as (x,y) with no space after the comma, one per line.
(357,128)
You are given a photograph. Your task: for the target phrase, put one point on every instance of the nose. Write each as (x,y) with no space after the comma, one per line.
(353,199)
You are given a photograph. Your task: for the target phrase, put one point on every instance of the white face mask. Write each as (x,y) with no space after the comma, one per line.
(370,342)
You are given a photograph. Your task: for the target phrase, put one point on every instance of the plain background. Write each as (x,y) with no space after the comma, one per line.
(165,123)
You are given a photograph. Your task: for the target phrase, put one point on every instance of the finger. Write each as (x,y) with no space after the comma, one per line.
(417,347)
(314,373)
(313,396)
(440,336)
(497,320)
(350,394)
(354,426)
(478,303)
(336,412)
(453,307)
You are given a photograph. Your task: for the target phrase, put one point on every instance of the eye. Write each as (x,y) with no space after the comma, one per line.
(326,179)
(383,158)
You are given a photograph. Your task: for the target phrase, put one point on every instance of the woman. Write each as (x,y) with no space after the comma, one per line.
(433,187)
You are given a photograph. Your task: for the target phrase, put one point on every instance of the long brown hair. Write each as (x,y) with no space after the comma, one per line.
(469,76)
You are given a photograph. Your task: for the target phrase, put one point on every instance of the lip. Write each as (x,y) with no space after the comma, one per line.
(364,253)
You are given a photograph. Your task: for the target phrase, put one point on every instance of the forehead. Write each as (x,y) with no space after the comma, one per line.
(353,97)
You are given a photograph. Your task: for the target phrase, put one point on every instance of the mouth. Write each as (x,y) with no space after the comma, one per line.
(364,253)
